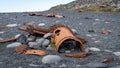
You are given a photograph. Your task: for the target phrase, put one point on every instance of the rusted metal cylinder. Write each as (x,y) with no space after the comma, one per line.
(64,37)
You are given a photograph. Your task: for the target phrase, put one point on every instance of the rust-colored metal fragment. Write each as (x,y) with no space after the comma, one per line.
(107,60)
(21,49)
(8,40)
(35,52)
(63,34)
(104,31)
(4,27)
(82,55)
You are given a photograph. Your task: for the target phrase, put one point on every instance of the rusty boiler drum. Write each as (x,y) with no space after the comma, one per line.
(64,39)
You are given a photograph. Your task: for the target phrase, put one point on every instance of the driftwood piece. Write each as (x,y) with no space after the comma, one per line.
(8,40)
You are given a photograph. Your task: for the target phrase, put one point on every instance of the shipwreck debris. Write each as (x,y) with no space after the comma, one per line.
(106,32)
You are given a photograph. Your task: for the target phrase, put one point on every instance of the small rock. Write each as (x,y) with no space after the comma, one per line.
(94,49)
(11,25)
(98,41)
(47,35)
(91,30)
(41,24)
(33,45)
(74,31)
(39,41)
(45,43)
(116,53)
(50,47)
(97,65)
(67,51)
(33,65)
(89,35)
(63,66)
(97,19)
(107,50)
(1,32)
(16,36)
(31,38)
(49,59)
(12,45)
(22,38)
(78,65)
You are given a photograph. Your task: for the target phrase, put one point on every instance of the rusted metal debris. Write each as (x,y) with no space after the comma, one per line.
(8,40)
(23,49)
(4,27)
(82,55)
(60,35)
(35,52)
(104,31)
(62,38)
(48,15)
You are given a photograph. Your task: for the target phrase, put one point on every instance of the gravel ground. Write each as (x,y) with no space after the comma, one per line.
(82,22)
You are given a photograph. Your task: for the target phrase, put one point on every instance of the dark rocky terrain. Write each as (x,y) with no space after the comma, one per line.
(90,5)
(104,46)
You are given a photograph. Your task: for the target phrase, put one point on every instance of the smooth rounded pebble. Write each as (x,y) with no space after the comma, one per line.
(12,25)
(12,45)
(45,43)
(74,31)
(22,38)
(49,59)
(63,66)
(33,44)
(39,41)
(97,65)
(33,65)
(41,24)
(116,53)
(47,35)
(94,49)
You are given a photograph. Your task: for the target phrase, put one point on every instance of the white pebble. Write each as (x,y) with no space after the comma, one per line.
(116,53)
(46,42)
(33,65)
(41,24)
(97,19)
(63,66)
(1,32)
(98,41)
(49,59)
(94,49)
(12,45)
(33,44)
(74,31)
(40,40)
(89,35)
(16,36)
(47,35)
(11,25)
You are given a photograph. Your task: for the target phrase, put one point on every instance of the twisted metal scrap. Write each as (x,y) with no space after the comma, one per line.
(59,32)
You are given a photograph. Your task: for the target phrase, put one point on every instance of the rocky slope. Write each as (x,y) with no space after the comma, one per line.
(90,5)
